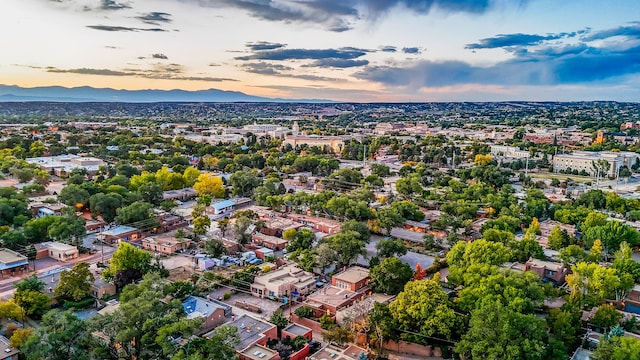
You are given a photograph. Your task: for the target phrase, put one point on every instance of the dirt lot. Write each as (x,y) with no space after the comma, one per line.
(181,273)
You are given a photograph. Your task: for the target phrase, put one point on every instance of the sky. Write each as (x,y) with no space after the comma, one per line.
(344,50)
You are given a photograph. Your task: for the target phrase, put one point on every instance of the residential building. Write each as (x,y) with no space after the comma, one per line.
(56,250)
(223,207)
(285,281)
(323,225)
(335,143)
(165,244)
(276,226)
(120,233)
(335,353)
(258,352)
(41,210)
(270,242)
(548,271)
(101,288)
(252,332)
(6,351)
(62,165)
(212,313)
(12,262)
(354,278)
(295,330)
(331,299)
(169,222)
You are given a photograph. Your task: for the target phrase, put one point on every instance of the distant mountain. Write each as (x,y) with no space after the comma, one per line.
(10,93)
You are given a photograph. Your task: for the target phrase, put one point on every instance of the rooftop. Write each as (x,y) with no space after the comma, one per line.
(10,257)
(257,352)
(331,352)
(332,296)
(297,330)
(353,274)
(545,264)
(59,246)
(223,204)
(198,307)
(250,330)
(6,349)
(119,230)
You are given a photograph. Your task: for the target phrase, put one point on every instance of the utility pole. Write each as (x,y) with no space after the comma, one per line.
(526,166)
(453,157)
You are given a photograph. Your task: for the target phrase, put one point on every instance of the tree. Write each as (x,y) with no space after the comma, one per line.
(29,296)
(388,219)
(594,219)
(128,263)
(338,335)
(243,182)
(209,184)
(390,276)
(144,323)
(423,307)
(74,195)
(419,273)
(324,257)
(497,332)
(347,246)
(612,234)
(300,239)
(215,248)
(139,211)
(359,227)
(240,227)
(20,337)
(557,239)
(169,180)
(68,227)
(389,248)
(105,205)
(190,176)
(617,348)
(606,317)
(201,220)
(565,325)
(596,250)
(572,255)
(592,283)
(60,336)
(279,320)
(75,284)
(482,160)
(151,192)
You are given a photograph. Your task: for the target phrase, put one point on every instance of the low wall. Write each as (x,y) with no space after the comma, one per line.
(313,325)
(403,347)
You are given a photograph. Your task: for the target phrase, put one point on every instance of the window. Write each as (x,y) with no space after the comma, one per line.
(271,293)
(550,272)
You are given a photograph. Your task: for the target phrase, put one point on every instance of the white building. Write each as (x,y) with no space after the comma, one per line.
(583,160)
(509,151)
(62,165)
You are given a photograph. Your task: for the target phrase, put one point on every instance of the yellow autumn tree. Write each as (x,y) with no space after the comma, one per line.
(209,184)
(481,160)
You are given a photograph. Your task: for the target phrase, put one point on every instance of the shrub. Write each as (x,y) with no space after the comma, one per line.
(327,322)
(226,295)
(304,312)
(78,304)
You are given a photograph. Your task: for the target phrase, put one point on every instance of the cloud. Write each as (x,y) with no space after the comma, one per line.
(264,45)
(154,18)
(159,72)
(87,71)
(509,40)
(264,68)
(122,28)
(314,54)
(411,50)
(389,49)
(567,64)
(112,5)
(338,63)
(340,15)
(632,31)
(159,56)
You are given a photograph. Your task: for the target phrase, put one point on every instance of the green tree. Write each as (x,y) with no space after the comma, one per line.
(390,276)
(497,332)
(423,307)
(606,317)
(105,205)
(388,219)
(279,320)
(348,246)
(324,257)
(74,195)
(68,228)
(359,227)
(390,248)
(60,336)
(215,248)
(617,348)
(75,284)
(151,192)
(190,176)
(557,239)
(243,182)
(137,212)
(300,239)
(128,263)
(201,220)
(572,255)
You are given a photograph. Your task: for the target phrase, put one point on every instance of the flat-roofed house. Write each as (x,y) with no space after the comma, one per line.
(212,313)
(165,244)
(12,262)
(252,332)
(353,278)
(283,282)
(120,233)
(57,250)
(548,271)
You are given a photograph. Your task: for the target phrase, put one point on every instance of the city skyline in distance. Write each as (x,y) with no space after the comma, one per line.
(350,50)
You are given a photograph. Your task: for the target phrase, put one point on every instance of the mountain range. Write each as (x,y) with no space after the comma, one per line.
(12,93)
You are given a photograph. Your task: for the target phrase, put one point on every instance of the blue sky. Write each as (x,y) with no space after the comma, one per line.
(349,50)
